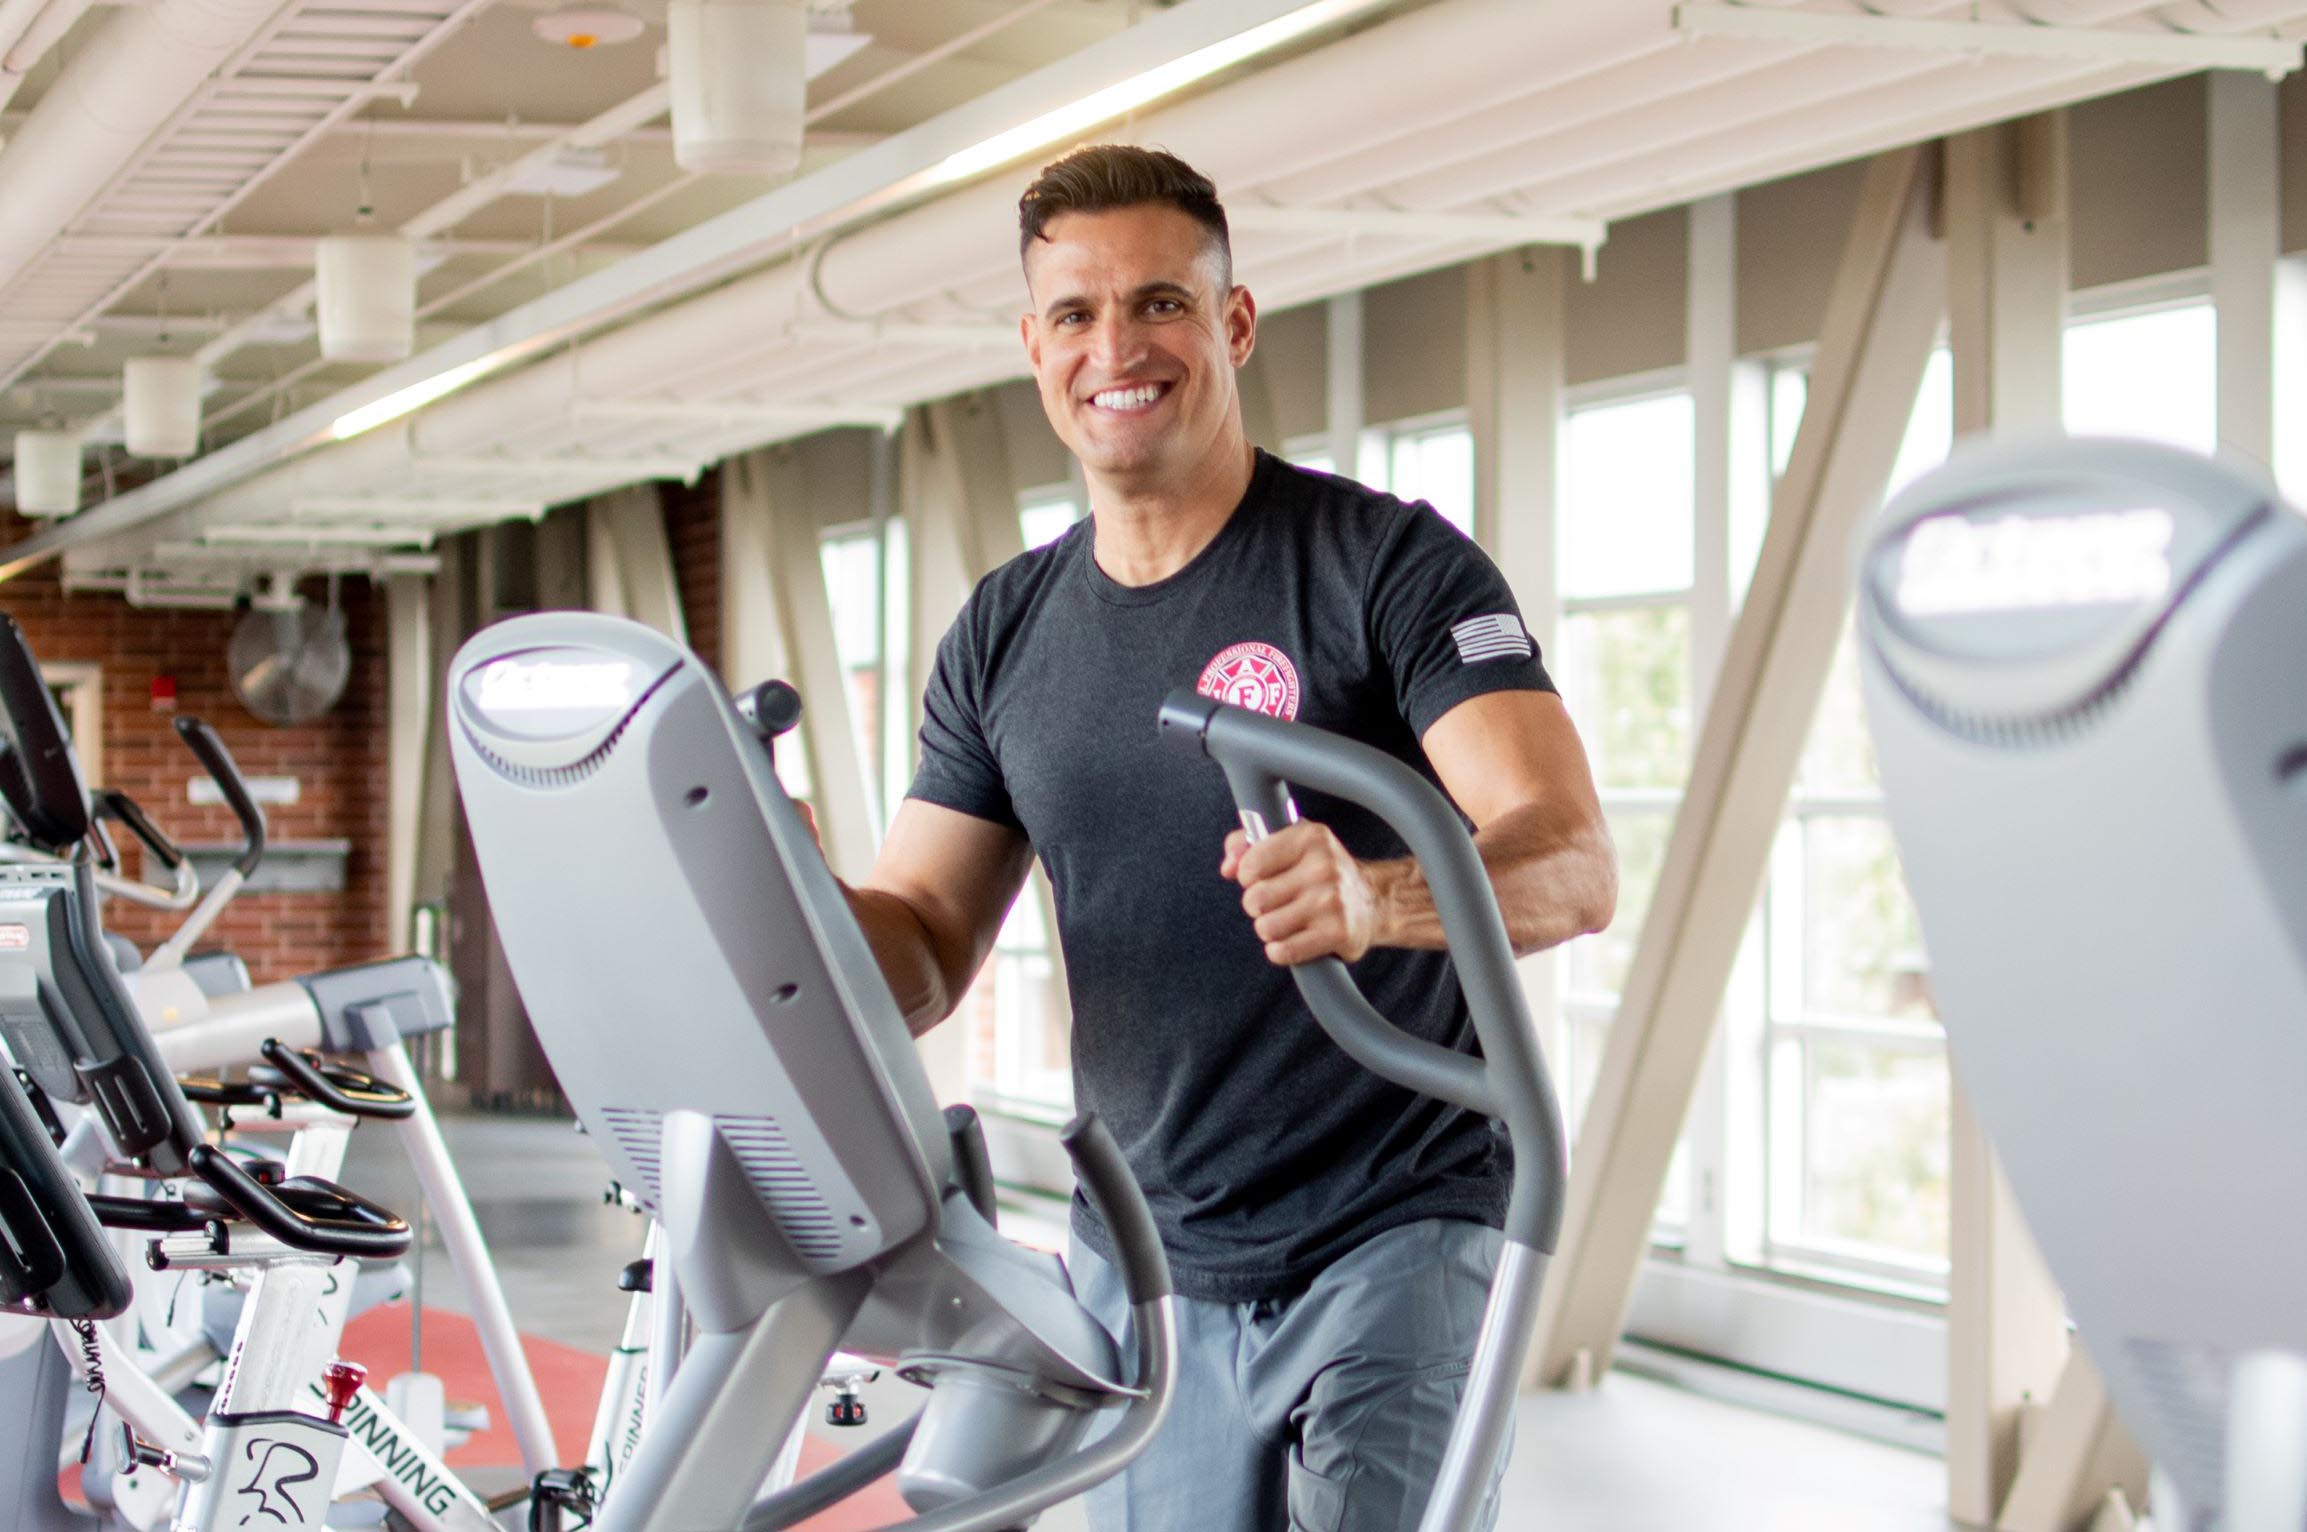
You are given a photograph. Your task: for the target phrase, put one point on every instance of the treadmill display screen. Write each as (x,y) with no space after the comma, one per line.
(1956,564)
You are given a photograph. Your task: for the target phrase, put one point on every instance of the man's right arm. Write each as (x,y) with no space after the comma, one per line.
(934,902)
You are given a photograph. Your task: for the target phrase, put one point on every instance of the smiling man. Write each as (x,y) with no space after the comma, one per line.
(1331,1236)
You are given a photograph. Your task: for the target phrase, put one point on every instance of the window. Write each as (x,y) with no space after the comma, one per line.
(1044,514)
(1430,458)
(2151,373)
(1020,1028)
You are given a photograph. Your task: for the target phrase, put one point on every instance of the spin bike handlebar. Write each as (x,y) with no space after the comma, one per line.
(334,1086)
(305,1213)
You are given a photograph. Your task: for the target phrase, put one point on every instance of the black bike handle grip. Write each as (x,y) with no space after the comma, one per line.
(370,1098)
(373,1232)
(205,743)
(115,804)
(1111,1189)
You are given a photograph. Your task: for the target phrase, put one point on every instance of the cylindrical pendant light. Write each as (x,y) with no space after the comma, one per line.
(368,297)
(161,406)
(47,473)
(740,82)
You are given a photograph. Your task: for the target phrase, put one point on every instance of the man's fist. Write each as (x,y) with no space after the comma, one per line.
(1305,894)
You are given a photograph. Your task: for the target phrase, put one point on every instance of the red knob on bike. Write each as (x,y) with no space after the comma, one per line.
(341,1381)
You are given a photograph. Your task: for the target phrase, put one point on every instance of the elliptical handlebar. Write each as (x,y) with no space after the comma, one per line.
(217,761)
(1261,756)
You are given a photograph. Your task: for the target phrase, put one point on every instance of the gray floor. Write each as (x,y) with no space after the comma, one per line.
(1633,1456)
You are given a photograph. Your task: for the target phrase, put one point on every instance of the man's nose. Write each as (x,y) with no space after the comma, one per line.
(1117,341)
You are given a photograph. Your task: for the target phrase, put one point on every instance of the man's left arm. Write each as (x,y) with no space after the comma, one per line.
(1512,762)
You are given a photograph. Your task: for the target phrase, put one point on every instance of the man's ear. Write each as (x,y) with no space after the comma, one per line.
(1241,325)
(1029,336)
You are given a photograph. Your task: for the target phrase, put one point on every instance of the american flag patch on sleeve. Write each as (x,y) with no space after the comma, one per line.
(1499,637)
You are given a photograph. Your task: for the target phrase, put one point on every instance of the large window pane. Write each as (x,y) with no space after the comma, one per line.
(2153,375)
(1044,515)
(1875,1124)
(1630,483)
(1625,676)
(1436,466)
(852,565)
(1020,1042)
(1862,945)
(1838,758)
(1930,429)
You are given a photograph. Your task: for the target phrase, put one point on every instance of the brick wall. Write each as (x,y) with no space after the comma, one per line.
(693,530)
(338,760)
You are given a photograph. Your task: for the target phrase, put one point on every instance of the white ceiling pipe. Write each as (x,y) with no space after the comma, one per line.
(28,29)
(103,107)
(2225,15)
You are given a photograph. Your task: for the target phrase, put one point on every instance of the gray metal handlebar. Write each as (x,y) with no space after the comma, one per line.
(1260,757)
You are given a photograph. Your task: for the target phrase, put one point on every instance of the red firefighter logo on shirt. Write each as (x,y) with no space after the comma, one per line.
(1253,675)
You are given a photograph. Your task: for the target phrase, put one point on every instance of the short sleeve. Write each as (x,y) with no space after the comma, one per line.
(958,769)
(1445,622)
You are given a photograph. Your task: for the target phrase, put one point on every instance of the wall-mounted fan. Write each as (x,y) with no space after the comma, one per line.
(289,658)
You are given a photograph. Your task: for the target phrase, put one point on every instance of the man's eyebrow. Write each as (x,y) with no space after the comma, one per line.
(1163,288)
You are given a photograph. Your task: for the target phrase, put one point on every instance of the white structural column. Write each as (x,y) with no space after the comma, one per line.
(1514,345)
(2254,292)
(628,562)
(1342,365)
(1881,319)
(1722,393)
(777,621)
(2006,297)
(408,731)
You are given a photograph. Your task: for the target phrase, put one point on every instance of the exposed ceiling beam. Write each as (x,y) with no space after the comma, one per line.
(739,414)
(2273,56)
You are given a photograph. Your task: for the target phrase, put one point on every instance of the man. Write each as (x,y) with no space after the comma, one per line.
(1331,1236)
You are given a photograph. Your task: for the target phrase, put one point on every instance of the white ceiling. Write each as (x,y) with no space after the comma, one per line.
(1428,134)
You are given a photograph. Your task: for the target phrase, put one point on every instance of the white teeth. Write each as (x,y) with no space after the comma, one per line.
(1127,398)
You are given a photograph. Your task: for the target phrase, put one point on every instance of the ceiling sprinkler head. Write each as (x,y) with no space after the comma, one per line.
(586,27)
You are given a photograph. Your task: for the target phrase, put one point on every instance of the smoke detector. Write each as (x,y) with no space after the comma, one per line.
(584,27)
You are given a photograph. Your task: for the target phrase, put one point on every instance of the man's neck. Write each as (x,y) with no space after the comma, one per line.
(1146,533)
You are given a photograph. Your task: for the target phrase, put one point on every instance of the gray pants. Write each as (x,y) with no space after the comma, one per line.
(1326,1411)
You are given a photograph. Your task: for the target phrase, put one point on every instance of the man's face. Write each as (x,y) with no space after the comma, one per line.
(1134,339)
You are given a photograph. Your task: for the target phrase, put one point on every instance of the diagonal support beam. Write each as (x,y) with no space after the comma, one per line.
(2006,220)
(1881,320)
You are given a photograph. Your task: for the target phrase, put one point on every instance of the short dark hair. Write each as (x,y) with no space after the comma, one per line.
(1098,178)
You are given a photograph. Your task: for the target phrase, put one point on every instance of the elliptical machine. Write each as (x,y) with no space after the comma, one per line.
(2082,670)
(648,874)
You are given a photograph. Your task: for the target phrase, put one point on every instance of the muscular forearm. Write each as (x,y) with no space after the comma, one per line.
(908,959)
(1556,877)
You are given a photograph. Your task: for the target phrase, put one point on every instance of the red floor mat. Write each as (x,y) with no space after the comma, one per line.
(570,1381)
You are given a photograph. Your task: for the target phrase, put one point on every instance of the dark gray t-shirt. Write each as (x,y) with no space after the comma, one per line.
(1264,1151)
